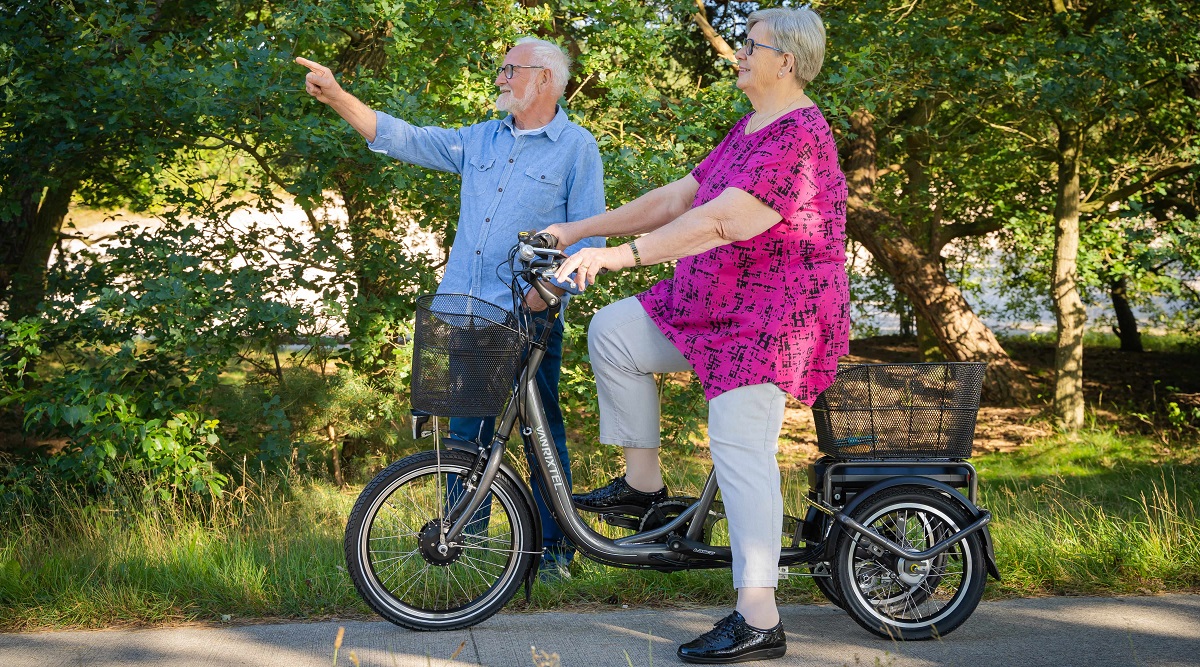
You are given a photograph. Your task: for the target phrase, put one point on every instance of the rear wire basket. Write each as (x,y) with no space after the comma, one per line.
(465,352)
(900,411)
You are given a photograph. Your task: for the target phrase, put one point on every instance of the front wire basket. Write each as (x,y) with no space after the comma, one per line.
(893,411)
(465,352)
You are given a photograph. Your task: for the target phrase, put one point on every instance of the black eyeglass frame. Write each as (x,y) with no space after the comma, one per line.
(750,45)
(510,70)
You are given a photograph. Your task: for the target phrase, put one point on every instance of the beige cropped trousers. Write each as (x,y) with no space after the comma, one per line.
(627,349)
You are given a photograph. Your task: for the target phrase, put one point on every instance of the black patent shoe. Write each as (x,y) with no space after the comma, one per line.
(618,497)
(733,640)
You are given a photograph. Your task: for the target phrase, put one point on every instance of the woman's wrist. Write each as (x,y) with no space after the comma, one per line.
(629,255)
(633,250)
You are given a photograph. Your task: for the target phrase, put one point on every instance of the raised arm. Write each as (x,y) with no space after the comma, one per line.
(433,147)
(321,84)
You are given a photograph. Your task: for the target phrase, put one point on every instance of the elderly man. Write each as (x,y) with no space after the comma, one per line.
(529,170)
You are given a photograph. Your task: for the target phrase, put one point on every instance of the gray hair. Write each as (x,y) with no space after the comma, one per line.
(799,32)
(552,57)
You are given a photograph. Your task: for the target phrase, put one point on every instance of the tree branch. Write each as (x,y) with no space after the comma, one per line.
(264,165)
(887,170)
(1010,130)
(1121,194)
(718,42)
(948,233)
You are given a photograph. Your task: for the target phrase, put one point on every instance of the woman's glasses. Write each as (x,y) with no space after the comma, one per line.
(751,45)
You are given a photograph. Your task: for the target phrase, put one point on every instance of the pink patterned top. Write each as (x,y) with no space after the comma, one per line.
(774,308)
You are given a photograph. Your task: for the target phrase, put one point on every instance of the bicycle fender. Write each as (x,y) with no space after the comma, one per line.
(836,530)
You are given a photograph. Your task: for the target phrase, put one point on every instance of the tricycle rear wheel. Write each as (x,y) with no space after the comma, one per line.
(896,599)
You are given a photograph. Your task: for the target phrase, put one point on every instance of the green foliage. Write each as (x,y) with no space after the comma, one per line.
(140,335)
(1103,514)
(142,104)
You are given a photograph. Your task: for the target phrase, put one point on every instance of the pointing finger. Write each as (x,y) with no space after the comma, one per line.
(314,67)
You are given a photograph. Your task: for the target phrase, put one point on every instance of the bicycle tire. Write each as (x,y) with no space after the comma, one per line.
(910,606)
(441,591)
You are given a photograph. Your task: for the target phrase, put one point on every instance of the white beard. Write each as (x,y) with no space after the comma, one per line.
(509,102)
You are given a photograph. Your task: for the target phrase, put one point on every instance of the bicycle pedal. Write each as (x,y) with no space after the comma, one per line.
(622,520)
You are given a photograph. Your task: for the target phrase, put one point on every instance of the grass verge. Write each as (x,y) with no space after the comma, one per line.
(1099,514)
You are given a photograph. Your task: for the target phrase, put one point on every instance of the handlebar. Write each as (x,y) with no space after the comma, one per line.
(541,257)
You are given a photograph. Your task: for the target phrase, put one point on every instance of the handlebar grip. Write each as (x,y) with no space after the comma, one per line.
(543,240)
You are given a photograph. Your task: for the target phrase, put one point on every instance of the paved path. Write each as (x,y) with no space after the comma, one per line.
(1161,631)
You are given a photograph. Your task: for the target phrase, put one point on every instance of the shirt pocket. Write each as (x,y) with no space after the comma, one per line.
(542,190)
(478,177)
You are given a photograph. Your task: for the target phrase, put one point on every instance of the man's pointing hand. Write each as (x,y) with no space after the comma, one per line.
(319,81)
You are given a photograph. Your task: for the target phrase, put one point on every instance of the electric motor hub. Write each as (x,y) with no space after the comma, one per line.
(432,548)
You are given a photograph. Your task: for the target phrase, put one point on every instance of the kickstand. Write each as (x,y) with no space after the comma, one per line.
(530,575)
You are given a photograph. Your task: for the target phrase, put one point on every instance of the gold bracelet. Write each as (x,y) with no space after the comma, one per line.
(637,259)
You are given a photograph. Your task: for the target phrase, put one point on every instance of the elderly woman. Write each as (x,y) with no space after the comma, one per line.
(758,307)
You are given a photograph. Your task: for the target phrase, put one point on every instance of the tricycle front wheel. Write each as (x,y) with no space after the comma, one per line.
(411,577)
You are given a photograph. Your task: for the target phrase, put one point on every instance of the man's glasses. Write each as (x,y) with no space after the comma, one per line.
(511,69)
(751,45)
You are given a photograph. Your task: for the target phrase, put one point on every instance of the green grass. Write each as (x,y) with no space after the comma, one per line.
(1163,342)
(1104,513)
(1101,513)
(267,551)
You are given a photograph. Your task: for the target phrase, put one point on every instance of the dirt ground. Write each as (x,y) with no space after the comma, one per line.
(1116,384)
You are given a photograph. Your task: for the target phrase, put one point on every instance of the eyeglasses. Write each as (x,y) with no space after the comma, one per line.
(511,69)
(751,45)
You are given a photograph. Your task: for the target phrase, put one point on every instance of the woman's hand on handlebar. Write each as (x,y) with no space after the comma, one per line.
(562,232)
(588,262)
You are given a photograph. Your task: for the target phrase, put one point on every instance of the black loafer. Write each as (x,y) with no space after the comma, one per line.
(618,497)
(733,640)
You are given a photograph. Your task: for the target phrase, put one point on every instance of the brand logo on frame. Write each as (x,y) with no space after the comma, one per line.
(548,455)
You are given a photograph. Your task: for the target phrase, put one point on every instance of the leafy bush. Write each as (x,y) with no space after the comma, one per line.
(132,344)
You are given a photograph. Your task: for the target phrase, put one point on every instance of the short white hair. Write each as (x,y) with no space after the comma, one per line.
(552,57)
(799,32)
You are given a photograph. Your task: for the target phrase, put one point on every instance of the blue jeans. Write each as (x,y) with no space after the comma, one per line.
(481,429)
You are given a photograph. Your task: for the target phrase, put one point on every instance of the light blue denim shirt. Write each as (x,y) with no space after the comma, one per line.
(509,184)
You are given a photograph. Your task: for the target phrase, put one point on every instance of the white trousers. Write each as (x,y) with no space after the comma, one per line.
(627,349)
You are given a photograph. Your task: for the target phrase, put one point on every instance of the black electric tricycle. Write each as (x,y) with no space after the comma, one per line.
(890,530)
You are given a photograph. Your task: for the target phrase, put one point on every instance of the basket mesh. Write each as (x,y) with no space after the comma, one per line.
(881,411)
(465,352)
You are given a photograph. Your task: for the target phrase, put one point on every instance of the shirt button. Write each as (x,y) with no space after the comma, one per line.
(499,189)
(543,177)
(487,219)
(510,161)
(476,252)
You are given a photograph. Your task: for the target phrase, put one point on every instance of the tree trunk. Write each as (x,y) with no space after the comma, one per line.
(927,342)
(335,454)
(1126,329)
(1068,307)
(42,223)
(961,335)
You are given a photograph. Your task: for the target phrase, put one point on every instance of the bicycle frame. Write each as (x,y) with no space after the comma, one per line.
(672,546)
(678,543)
